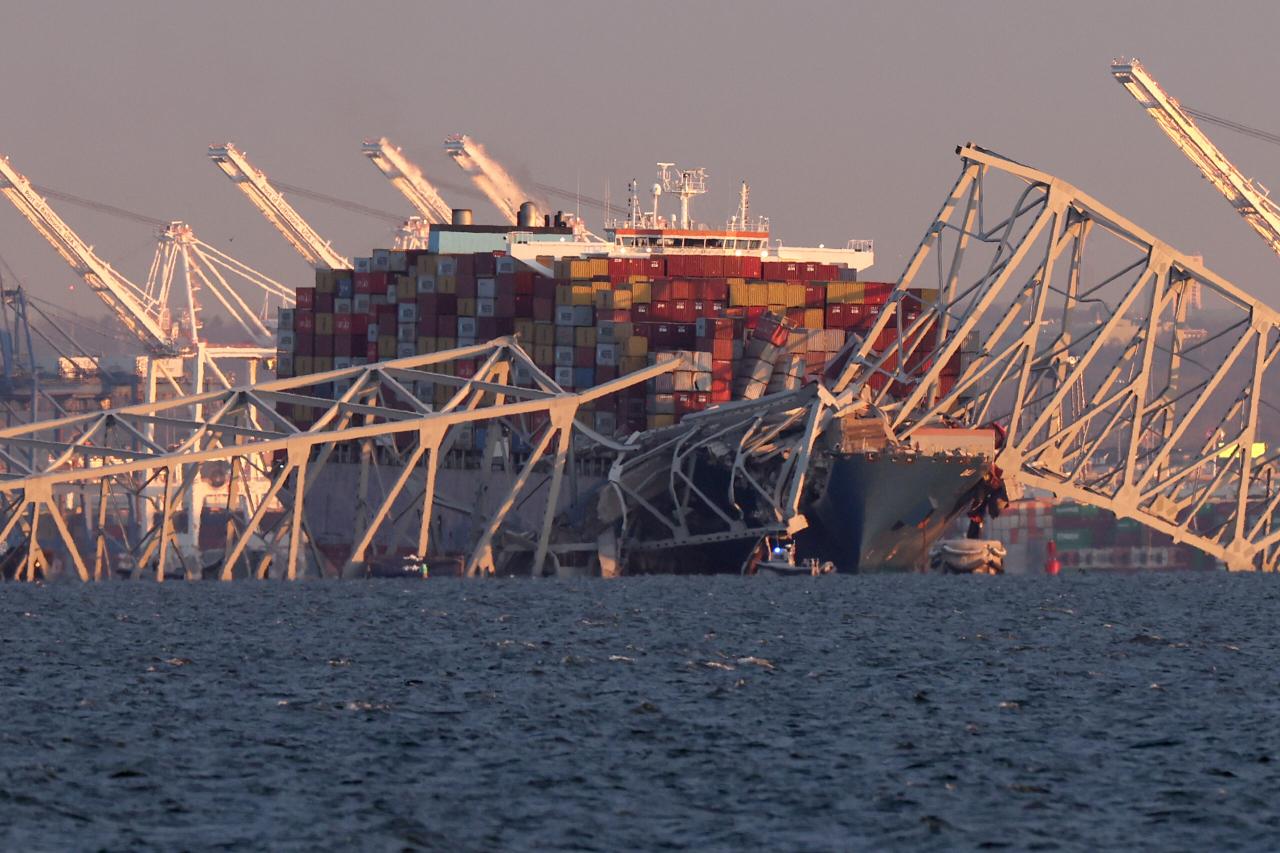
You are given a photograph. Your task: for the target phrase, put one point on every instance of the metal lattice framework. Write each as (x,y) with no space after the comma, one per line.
(1114,390)
(122,491)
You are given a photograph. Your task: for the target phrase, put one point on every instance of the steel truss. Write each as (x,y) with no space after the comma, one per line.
(1113,391)
(73,489)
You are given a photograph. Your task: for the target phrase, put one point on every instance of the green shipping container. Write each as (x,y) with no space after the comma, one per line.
(1073,540)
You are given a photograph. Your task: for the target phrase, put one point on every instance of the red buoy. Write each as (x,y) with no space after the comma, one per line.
(1051,565)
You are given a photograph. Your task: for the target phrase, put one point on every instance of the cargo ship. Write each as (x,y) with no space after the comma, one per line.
(747,317)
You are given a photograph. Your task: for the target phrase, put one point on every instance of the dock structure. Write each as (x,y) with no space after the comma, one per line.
(121,492)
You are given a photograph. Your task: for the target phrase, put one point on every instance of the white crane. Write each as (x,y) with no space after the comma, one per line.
(408,179)
(146,311)
(1248,198)
(488,176)
(271,204)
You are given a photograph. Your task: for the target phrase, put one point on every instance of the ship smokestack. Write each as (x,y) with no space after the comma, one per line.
(461,216)
(528,215)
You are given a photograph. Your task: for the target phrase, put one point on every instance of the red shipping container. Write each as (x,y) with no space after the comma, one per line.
(661,311)
(722,368)
(505,304)
(684,336)
(447,303)
(304,321)
(428,327)
(619,269)
(682,311)
(324,345)
(605,372)
(815,295)
(543,309)
(523,305)
(717,289)
(464,368)
(342,345)
(466,288)
(305,298)
(828,272)
(749,267)
(642,312)
(545,288)
(701,399)
(795,316)
(836,316)
(504,326)
(466,266)
(584,356)
(342,327)
(505,281)
(484,264)
(616,315)
(684,402)
(732,266)
(713,265)
(524,283)
(653,267)
(644,330)
(753,315)
(676,265)
(428,303)
(486,328)
(304,343)
(681,289)
(324,303)
(660,336)
(371,352)
(661,291)
(359,325)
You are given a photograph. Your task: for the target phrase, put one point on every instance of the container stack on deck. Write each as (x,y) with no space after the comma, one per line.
(743,327)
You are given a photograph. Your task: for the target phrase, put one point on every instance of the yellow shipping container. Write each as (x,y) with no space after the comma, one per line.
(660,421)
(302,365)
(466,308)
(795,295)
(631,363)
(580,268)
(324,324)
(426,265)
(564,294)
(544,334)
(814,318)
(777,293)
(582,295)
(739,294)
(636,346)
(543,354)
(757,294)
(526,330)
(641,291)
(929,295)
(599,266)
(638,279)
(406,288)
(326,281)
(444,342)
(426,345)
(446,284)
(598,286)
(387,346)
(584,336)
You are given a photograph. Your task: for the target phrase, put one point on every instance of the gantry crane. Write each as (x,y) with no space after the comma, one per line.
(408,179)
(1249,200)
(488,176)
(271,204)
(145,311)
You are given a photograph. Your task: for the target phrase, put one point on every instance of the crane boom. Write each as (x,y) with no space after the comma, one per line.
(254,184)
(408,179)
(1249,200)
(488,176)
(141,314)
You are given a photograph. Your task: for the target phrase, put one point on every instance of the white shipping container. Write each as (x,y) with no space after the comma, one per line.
(485,307)
(584,315)
(406,350)
(606,423)
(485,288)
(467,327)
(446,266)
(426,284)
(506,264)
(364,265)
(171,367)
(399,262)
(663,383)
(607,354)
(342,306)
(564,315)
(372,335)
(564,377)
(701,360)
(407,334)
(342,362)
(683,380)
(702,381)
(360,303)
(284,318)
(407,312)
(381,260)
(563,356)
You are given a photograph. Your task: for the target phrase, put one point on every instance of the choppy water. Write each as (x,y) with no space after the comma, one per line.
(649,713)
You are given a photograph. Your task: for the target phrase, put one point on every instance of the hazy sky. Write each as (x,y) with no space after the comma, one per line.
(843,116)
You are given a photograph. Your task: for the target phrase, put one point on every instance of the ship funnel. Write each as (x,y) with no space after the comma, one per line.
(461,216)
(528,216)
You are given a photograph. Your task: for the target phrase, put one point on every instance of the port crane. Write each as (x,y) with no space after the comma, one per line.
(488,175)
(182,266)
(1249,198)
(408,179)
(276,208)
